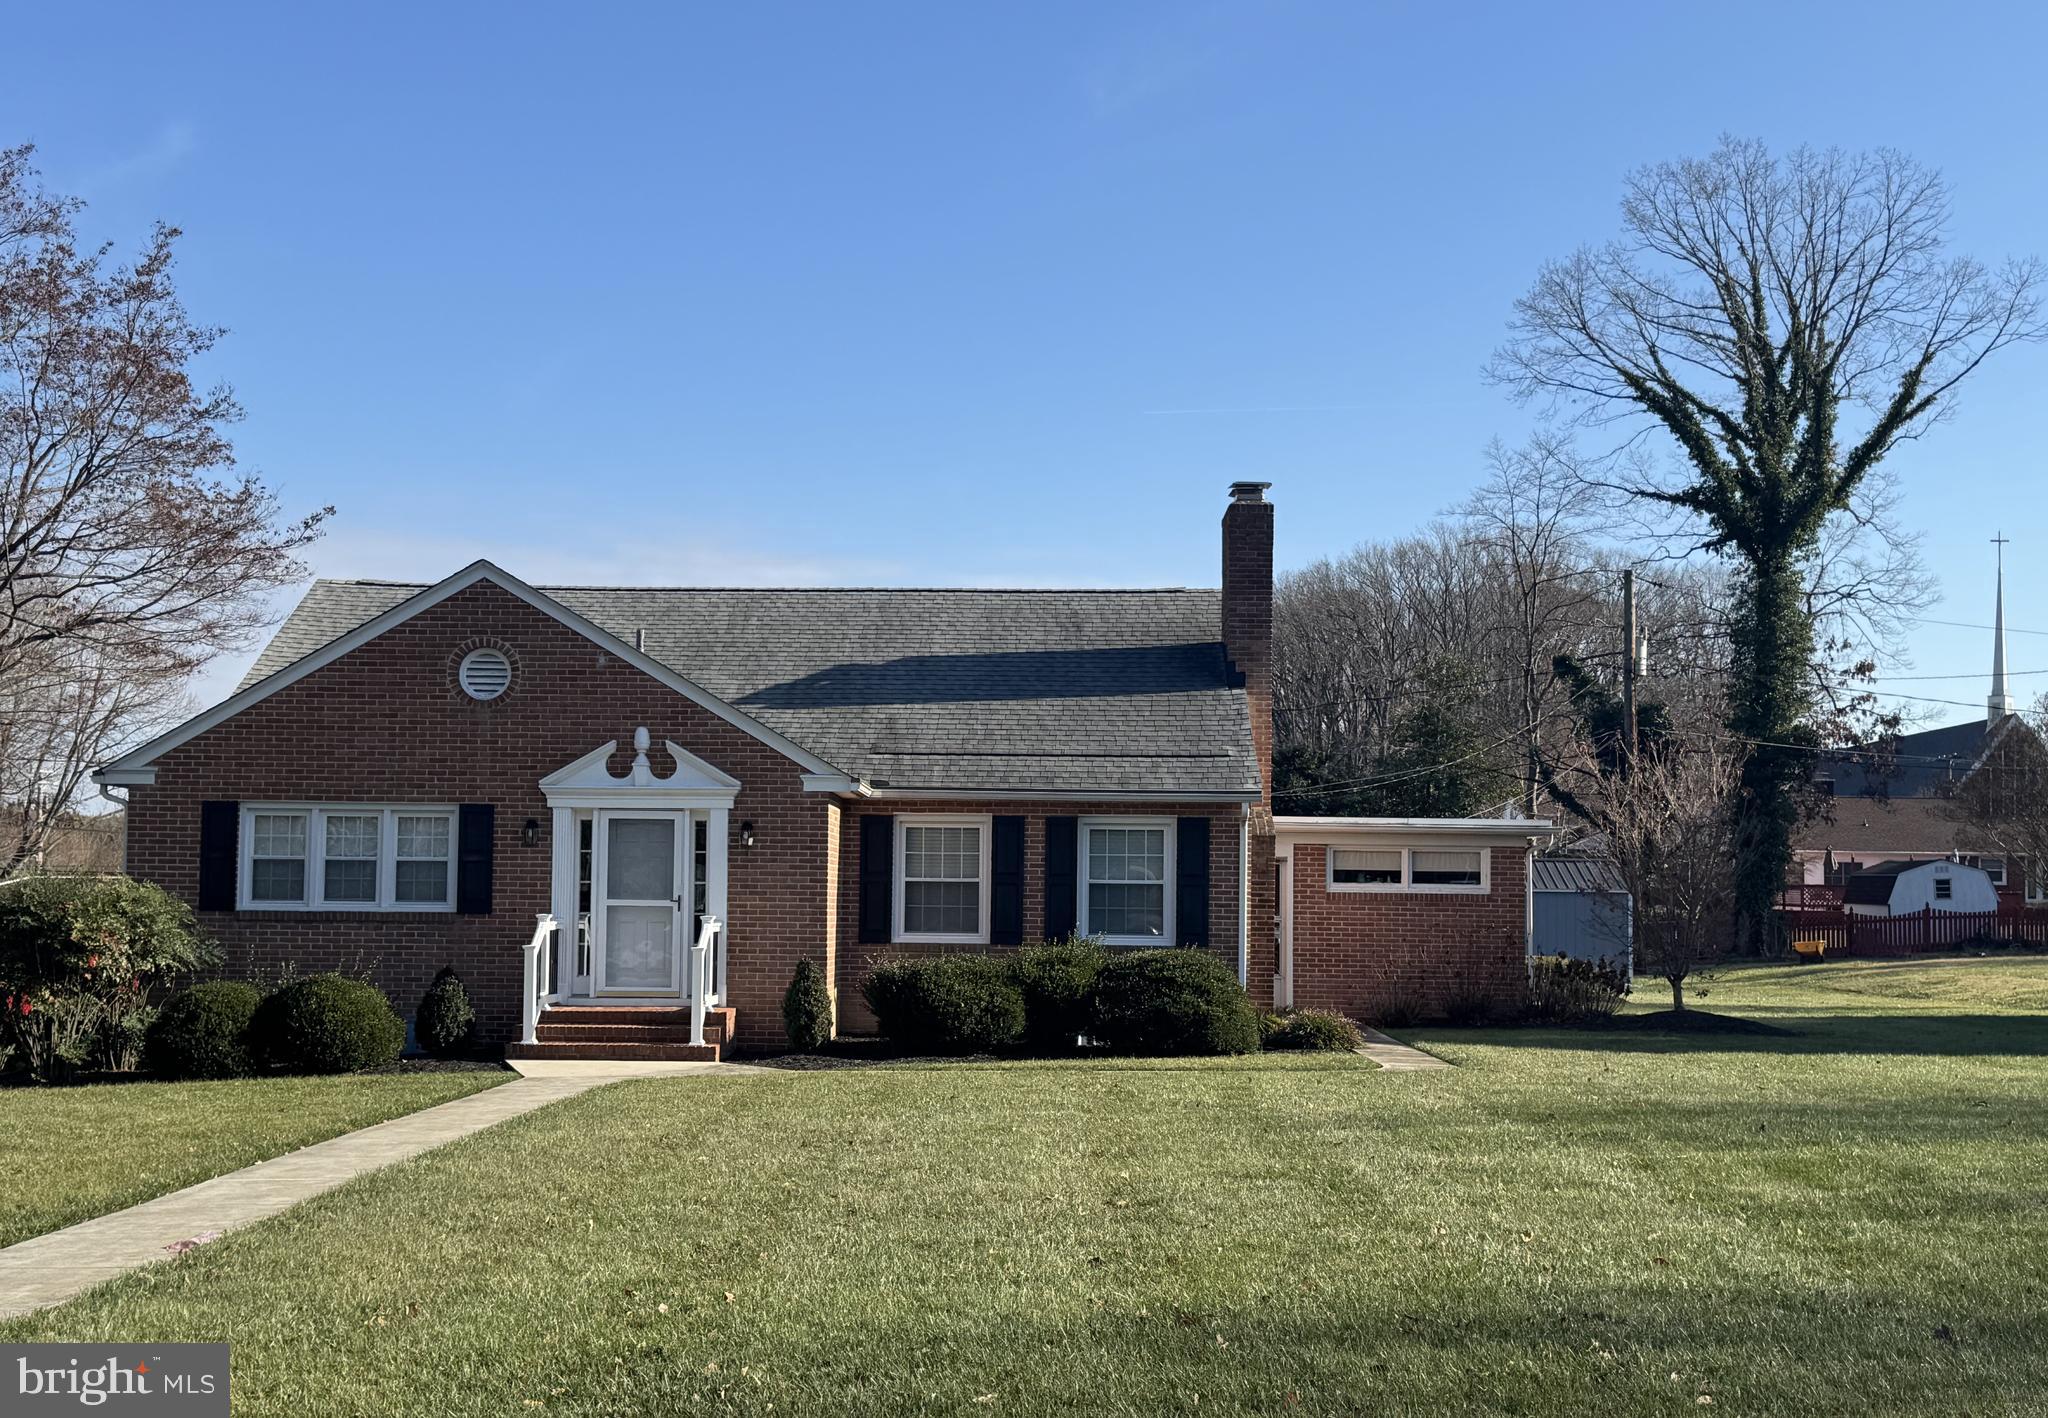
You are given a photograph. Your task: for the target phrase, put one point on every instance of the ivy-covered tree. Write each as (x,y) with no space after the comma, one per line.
(1783,323)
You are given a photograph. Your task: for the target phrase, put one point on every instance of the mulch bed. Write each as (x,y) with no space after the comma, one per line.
(424,1064)
(859,1053)
(1695,1021)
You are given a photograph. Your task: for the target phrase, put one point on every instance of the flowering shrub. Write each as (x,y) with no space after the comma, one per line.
(79,958)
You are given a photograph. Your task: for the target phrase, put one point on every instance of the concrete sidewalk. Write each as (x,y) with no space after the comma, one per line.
(1389,1053)
(48,1270)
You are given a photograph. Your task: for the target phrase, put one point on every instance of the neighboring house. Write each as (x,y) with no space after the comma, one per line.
(1905,887)
(1378,911)
(1580,907)
(1895,801)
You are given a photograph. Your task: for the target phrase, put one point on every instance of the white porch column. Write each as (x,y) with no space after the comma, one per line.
(714,889)
(562,894)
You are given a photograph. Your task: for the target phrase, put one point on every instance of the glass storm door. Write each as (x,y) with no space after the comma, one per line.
(641,888)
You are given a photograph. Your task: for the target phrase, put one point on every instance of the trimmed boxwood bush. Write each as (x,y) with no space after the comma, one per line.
(1057,979)
(203,1032)
(1310,1029)
(445,1023)
(955,1004)
(326,1024)
(1173,1002)
(807,1008)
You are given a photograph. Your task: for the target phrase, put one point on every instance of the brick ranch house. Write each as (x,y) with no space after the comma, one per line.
(626,813)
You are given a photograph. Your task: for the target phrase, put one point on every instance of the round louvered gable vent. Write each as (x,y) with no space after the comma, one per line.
(485,674)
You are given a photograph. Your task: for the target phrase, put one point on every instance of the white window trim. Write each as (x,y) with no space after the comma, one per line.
(1171,883)
(1406,886)
(1999,877)
(903,823)
(316,847)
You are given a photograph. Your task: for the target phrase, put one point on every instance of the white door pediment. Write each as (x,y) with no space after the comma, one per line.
(587,782)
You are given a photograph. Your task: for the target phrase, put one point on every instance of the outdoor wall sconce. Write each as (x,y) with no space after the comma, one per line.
(746,834)
(530,833)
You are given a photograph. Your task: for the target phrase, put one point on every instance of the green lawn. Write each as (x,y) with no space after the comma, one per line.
(1850,1220)
(70,1153)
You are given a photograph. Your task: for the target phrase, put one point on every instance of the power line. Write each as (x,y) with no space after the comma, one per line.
(1349,785)
(1967,625)
(1974,674)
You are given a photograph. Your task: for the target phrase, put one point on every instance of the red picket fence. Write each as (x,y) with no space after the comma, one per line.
(1921,933)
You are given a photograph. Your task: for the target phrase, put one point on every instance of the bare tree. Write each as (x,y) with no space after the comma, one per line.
(1466,619)
(131,551)
(2003,804)
(1532,515)
(1670,832)
(1784,323)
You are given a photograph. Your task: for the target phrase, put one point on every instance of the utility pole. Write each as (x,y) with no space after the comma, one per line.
(1628,662)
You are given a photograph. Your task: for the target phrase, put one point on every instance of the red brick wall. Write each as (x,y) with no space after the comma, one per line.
(386,723)
(1355,950)
(855,958)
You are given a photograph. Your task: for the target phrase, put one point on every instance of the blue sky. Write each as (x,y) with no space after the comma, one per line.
(967,294)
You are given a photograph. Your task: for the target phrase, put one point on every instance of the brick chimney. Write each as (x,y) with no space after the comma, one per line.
(1248,612)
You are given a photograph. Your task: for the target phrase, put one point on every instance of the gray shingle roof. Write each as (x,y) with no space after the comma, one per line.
(1082,691)
(1927,764)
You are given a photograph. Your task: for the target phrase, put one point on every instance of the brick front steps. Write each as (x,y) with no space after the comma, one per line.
(582,1031)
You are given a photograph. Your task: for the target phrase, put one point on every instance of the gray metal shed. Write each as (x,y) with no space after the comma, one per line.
(1578,908)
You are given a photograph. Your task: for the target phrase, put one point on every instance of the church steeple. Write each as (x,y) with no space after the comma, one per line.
(2000,703)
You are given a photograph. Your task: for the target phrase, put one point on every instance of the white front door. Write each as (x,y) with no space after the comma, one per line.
(642,887)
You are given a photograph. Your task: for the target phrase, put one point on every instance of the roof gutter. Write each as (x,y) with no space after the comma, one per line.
(1463,826)
(862,788)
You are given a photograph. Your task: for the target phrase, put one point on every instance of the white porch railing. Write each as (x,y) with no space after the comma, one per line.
(539,970)
(700,974)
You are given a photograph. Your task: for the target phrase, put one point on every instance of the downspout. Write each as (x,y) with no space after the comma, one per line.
(1244,897)
(107,792)
(1528,898)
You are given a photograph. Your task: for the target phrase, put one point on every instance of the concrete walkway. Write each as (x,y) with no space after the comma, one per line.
(1388,1053)
(48,1270)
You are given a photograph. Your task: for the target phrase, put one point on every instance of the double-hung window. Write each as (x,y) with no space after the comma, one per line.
(1126,895)
(942,879)
(349,874)
(1410,869)
(347,857)
(277,858)
(423,858)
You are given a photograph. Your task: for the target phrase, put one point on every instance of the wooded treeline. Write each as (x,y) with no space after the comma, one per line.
(1419,675)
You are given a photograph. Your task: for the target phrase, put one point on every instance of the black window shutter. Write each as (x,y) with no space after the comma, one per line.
(219,822)
(1062,872)
(1191,878)
(476,823)
(1006,870)
(877,878)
